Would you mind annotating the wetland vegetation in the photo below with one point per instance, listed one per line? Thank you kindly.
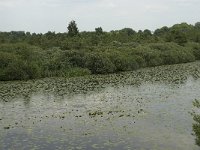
(121, 89)
(196, 118)
(25, 55)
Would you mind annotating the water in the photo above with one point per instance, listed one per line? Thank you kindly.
(146, 109)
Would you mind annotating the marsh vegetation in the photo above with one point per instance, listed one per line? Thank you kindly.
(26, 56)
(100, 90)
(196, 118)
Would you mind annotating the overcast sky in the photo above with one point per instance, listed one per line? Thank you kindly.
(54, 15)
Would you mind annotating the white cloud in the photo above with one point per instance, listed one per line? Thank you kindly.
(156, 8)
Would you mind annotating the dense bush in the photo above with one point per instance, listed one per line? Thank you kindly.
(74, 72)
(151, 56)
(124, 62)
(26, 56)
(99, 63)
(13, 67)
(195, 47)
(165, 53)
(20, 70)
(22, 62)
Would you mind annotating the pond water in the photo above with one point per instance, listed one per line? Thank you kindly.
(142, 110)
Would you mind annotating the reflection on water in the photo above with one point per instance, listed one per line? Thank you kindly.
(137, 110)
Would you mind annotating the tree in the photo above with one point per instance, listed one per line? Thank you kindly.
(127, 31)
(147, 32)
(99, 30)
(72, 28)
(179, 37)
(197, 25)
(161, 31)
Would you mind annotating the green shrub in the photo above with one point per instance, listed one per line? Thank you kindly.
(140, 61)
(170, 57)
(162, 47)
(151, 56)
(182, 55)
(23, 61)
(120, 61)
(16, 70)
(99, 63)
(195, 49)
(125, 63)
(6, 58)
(74, 72)
(75, 58)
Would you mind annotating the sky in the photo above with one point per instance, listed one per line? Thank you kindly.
(41, 16)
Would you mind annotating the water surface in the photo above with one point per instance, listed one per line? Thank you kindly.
(145, 109)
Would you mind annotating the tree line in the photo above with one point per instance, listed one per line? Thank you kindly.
(25, 55)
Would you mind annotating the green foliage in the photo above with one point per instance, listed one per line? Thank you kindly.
(196, 129)
(28, 56)
(197, 25)
(162, 31)
(151, 56)
(20, 70)
(72, 28)
(196, 103)
(74, 58)
(99, 63)
(99, 30)
(196, 125)
(179, 37)
(124, 62)
(128, 31)
(18, 62)
(147, 32)
(74, 72)
(195, 47)
(6, 58)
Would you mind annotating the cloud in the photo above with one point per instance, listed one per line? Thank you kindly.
(41, 16)
(7, 3)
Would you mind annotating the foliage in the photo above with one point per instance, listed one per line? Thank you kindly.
(74, 72)
(196, 125)
(99, 63)
(72, 28)
(195, 47)
(25, 55)
(99, 30)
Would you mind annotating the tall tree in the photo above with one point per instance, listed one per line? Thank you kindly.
(72, 28)
(99, 30)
